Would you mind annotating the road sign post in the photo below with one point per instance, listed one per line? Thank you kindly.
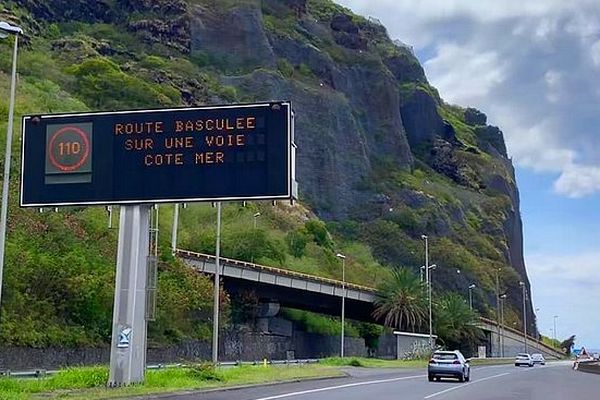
(128, 346)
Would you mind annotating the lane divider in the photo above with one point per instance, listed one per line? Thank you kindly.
(348, 385)
(465, 385)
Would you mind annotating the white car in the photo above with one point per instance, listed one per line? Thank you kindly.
(538, 359)
(523, 359)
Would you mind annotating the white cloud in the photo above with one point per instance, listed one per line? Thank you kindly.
(578, 181)
(479, 74)
(595, 53)
(564, 286)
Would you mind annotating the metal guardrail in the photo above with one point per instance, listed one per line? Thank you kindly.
(42, 373)
(274, 270)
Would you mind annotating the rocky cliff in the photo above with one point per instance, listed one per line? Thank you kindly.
(380, 155)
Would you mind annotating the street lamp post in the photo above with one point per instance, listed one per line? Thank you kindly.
(502, 298)
(428, 282)
(343, 258)
(555, 334)
(522, 284)
(175, 228)
(471, 287)
(5, 29)
(498, 303)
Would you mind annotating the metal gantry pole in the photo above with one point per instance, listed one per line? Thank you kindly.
(7, 161)
(216, 293)
(175, 227)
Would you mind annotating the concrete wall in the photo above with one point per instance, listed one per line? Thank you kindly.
(236, 344)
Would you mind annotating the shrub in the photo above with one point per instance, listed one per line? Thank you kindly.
(285, 67)
(296, 241)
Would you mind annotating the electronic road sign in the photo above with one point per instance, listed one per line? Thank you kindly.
(220, 153)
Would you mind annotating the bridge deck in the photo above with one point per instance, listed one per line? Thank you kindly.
(276, 276)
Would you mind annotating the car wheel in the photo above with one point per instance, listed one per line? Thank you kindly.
(461, 378)
(430, 378)
(516, 365)
(530, 365)
(468, 377)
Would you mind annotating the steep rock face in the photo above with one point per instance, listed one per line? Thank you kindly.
(379, 152)
(235, 36)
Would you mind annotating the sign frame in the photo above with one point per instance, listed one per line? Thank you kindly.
(291, 184)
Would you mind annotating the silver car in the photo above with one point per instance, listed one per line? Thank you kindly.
(523, 359)
(448, 364)
(538, 359)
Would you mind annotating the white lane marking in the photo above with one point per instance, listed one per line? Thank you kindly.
(325, 389)
(465, 385)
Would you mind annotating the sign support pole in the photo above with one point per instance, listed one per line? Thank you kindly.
(128, 345)
(216, 288)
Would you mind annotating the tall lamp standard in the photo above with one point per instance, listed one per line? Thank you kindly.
(343, 258)
(471, 287)
(502, 299)
(555, 334)
(428, 283)
(5, 30)
(522, 284)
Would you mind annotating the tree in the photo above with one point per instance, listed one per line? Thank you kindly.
(567, 344)
(456, 323)
(400, 302)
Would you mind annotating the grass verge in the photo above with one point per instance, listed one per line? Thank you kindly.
(373, 362)
(89, 382)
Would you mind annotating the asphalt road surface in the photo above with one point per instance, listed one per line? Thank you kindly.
(556, 381)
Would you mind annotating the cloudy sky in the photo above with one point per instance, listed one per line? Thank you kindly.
(534, 68)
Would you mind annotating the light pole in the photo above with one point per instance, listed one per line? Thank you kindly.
(471, 287)
(498, 303)
(502, 298)
(175, 227)
(422, 272)
(343, 258)
(522, 284)
(5, 29)
(428, 283)
(256, 218)
(555, 334)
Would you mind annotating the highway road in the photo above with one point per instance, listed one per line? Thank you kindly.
(555, 381)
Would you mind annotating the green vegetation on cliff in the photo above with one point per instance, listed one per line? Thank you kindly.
(381, 160)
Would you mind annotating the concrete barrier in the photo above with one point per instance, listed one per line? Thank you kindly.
(592, 367)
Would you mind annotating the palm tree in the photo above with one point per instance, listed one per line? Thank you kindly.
(400, 301)
(456, 323)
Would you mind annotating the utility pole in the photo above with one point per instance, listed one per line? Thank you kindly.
(502, 298)
(175, 228)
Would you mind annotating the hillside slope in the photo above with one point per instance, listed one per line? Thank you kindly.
(381, 157)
